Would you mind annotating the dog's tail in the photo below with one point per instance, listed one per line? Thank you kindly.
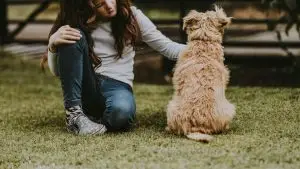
(199, 137)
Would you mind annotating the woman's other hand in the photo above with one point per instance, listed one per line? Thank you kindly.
(64, 35)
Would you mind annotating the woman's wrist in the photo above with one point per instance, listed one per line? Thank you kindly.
(52, 48)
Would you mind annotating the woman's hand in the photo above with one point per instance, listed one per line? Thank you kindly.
(64, 35)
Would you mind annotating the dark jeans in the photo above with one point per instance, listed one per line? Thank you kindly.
(103, 99)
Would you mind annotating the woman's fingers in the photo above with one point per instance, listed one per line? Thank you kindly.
(72, 30)
(72, 34)
(67, 28)
(63, 41)
(70, 37)
(65, 35)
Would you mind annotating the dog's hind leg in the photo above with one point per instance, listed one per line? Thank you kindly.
(173, 109)
(224, 109)
(199, 137)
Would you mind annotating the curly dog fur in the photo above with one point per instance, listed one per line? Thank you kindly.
(199, 106)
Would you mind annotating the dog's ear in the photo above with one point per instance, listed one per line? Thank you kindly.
(189, 19)
(222, 17)
(225, 21)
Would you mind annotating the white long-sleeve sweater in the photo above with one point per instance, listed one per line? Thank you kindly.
(122, 69)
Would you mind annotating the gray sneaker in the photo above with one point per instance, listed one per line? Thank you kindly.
(77, 122)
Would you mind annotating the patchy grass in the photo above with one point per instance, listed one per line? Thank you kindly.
(264, 134)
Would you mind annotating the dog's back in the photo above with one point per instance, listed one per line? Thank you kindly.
(199, 106)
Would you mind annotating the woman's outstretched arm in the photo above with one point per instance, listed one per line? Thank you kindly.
(154, 38)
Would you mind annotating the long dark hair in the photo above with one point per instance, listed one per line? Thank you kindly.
(76, 13)
(125, 29)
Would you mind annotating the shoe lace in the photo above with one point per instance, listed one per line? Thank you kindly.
(73, 113)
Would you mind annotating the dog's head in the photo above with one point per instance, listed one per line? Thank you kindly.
(206, 26)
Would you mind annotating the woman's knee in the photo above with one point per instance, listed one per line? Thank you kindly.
(121, 115)
(71, 56)
(76, 49)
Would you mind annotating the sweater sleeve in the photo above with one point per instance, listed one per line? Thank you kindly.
(52, 63)
(154, 38)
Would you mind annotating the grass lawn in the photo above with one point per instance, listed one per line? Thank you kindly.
(264, 135)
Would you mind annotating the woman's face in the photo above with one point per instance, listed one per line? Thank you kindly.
(106, 9)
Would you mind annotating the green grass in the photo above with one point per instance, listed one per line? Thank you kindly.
(264, 134)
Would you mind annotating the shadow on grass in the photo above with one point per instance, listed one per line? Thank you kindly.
(53, 124)
(155, 120)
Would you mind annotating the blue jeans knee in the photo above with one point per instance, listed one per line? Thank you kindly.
(120, 114)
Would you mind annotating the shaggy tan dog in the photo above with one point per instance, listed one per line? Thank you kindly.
(199, 107)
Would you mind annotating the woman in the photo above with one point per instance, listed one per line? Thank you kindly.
(97, 85)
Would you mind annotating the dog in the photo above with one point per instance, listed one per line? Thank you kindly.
(199, 107)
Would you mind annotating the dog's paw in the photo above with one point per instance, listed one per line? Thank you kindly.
(167, 129)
